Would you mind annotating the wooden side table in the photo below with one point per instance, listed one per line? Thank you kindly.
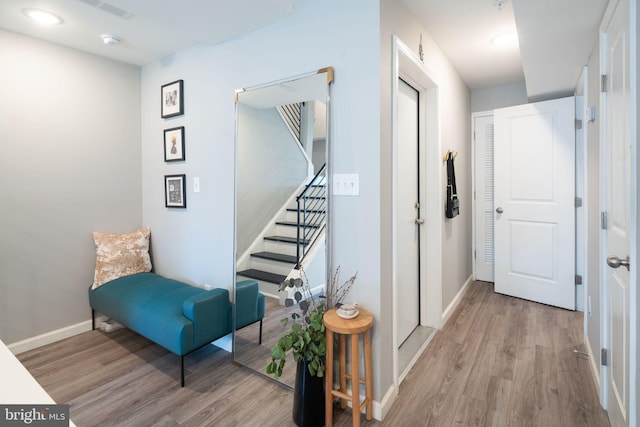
(354, 327)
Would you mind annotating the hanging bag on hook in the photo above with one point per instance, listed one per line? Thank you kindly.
(453, 204)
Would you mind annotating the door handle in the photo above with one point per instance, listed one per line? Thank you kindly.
(615, 262)
(499, 210)
(419, 221)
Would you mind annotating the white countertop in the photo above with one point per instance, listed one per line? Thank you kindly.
(18, 386)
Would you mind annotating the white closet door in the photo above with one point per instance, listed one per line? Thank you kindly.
(407, 208)
(484, 241)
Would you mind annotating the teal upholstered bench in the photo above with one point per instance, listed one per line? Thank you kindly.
(173, 314)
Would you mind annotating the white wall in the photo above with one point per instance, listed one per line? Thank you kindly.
(97, 153)
(70, 126)
(498, 97)
(455, 116)
(196, 244)
(271, 168)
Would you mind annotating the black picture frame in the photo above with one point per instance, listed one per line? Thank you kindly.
(172, 99)
(175, 191)
(174, 144)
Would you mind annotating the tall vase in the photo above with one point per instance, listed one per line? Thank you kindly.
(308, 398)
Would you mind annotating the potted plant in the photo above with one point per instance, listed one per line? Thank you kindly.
(306, 340)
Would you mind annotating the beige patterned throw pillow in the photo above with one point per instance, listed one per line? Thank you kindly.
(119, 255)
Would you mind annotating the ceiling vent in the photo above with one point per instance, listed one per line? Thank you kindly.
(109, 8)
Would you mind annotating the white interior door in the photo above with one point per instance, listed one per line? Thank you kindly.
(534, 169)
(408, 210)
(484, 245)
(617, 202)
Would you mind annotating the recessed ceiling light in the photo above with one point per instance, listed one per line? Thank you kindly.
(505, 39)
(110, 39)
(43, 17)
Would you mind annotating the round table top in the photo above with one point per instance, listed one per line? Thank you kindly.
(360, 323)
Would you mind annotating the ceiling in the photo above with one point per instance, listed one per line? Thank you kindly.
(555, 36)
(555, 39)
(149, 30)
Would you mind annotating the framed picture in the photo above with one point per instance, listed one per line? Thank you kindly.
(174, 144)
(172, 99)
(175, 194)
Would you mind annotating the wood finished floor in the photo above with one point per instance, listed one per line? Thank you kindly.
(499, 361)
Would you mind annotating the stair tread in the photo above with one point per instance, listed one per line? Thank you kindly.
(308, 210)
(295, 224)
(285, 239)
(275, 257)
(265, 276)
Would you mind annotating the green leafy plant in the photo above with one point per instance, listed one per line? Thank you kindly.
(306, 337)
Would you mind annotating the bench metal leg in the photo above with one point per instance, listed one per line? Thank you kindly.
(260, 339)
(93, 319)
(181, 371)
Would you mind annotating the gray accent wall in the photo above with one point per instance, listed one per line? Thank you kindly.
(196, 244)
(455, 111)
(70, 165)
(498, 96)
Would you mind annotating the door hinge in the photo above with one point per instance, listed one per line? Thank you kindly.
(578, 124)
(603, 220)
(578, 202)
(603, 356)
(578, 279)
(603, 83)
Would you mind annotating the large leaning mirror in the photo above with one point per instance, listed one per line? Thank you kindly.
(281, 224)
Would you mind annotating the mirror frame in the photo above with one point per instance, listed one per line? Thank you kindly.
(328, 153)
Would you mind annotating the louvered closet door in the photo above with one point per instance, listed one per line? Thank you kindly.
(483, 140)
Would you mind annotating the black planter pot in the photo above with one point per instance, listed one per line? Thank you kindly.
(308, 398)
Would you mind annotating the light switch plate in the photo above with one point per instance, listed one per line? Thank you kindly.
(346, 184)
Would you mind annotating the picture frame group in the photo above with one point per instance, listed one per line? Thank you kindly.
(172, 105)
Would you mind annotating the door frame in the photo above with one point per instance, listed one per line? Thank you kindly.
(634, 243)
(407, 65)
(581, 179)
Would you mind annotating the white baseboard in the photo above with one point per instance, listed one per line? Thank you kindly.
(50, 337)
(446, 314)
(381, 409)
